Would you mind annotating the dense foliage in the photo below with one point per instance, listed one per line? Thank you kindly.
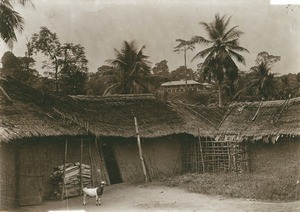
(224, 47)
(129, 72)
(65, 68)
(66, 64)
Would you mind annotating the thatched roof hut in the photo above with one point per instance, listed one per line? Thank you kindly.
(266, 120)
(27, 112)
(39, 131)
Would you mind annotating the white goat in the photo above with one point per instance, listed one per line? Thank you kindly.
(94, 192)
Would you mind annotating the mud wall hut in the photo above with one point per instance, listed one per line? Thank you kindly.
(271, 129)
(41, 131)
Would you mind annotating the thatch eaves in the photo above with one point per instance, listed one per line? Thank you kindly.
(27, 112)
(262, 120)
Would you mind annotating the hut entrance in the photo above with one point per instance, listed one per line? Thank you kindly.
(31, 189)
(111, 164)
(215, 156)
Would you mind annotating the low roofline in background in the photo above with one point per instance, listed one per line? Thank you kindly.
(112, 97)
(180, 82)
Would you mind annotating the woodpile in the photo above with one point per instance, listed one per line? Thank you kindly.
(72, 185)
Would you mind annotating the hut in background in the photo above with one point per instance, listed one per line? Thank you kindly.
(39, 131)
(271, 130)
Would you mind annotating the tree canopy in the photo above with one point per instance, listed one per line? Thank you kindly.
(65, 63)
(223, 50)
(161, 69)
(130, 71)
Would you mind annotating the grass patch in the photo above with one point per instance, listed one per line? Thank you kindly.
(252, 186)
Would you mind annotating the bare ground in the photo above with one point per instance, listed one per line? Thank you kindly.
(151, 197)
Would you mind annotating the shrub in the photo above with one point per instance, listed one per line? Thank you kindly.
(253, 186)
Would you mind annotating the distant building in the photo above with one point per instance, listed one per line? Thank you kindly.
(179, 86)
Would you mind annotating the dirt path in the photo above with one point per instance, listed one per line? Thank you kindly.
(127, 197)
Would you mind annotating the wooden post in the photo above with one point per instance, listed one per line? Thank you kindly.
(64, 173)
(140, 149)
(201, 152)
(247, 158)
(103, 167)
(260, 104)
(233, 158)
(228, 154)
(17, 158)
(213, 156)
(80, 170)
(90, 156)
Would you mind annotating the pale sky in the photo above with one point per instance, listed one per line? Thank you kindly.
(102, 25)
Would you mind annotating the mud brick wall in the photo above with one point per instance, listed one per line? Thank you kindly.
(8, 187)
(281, 158)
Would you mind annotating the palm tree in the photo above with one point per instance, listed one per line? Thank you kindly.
(262, 82)
(184, 46)
(10, 20)
(130, 71)
(224, 47)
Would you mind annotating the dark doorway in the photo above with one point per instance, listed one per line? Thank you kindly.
(111, 164)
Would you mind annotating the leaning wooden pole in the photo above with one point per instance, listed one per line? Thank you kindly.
(64, 173)
(260, 104)
(80, 170)
(201, 152)
(140, 149)
(90, 156)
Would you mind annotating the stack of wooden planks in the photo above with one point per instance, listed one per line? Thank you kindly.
(72, 183)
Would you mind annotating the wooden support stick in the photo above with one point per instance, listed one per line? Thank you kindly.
(17, 158)
(91, 163)
(64, 173)
(81, 152)
(233, 158)
(140, 149)
(247, 158)
(103, 168)
(228, 154)
(201, 153)
(260, 104)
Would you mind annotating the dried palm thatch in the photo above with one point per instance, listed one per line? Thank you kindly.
(30, 112)
(263, 120)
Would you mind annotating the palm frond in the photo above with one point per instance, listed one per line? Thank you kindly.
(237, 56)
(218, 25)
(111, 88)
(129, 65)
(237, 48)
(203, 53)
(9, 21)
(209, 29)
(226, 35)
(226, 23)
(234, 34)
(184, 45)
(200, 40)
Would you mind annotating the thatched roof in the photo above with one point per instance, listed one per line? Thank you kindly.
(30, 113)
(263, 120)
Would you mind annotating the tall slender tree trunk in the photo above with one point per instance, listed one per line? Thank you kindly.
(56, 76)
(220, 95)
(186, 88)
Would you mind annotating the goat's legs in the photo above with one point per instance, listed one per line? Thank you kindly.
(84, 198)
(98, 199)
